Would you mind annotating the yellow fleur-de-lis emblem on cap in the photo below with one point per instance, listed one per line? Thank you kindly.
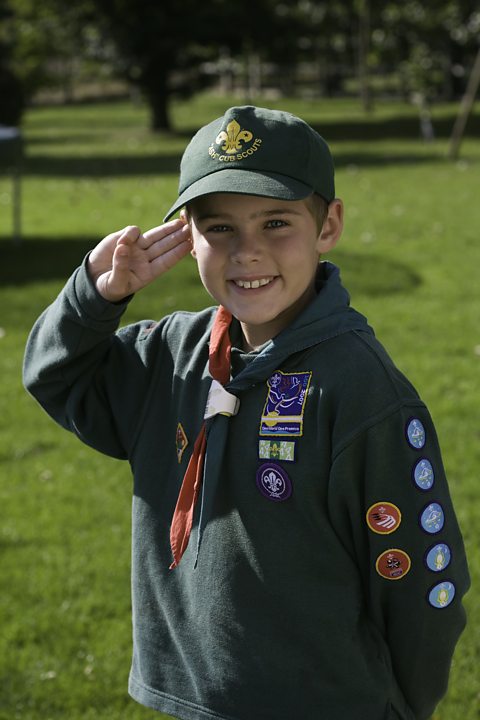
(233, 137)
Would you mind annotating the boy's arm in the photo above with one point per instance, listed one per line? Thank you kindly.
(86, 375)
(391, 506)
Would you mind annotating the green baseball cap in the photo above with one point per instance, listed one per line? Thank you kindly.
(256, 151)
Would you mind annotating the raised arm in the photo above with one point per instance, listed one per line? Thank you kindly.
(81, 369)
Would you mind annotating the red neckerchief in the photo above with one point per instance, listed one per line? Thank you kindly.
(219, 368)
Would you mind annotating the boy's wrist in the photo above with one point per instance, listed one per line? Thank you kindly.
(91, 301)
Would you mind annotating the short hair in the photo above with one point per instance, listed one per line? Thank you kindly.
(318, 207)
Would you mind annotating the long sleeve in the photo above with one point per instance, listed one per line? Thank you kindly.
(89, 377)
(392, 508)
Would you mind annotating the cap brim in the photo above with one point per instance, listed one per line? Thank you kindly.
(245, 182)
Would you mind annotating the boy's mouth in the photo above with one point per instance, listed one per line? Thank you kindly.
(253, 284)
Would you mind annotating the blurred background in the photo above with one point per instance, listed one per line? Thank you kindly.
(98, 99)
(154, 52)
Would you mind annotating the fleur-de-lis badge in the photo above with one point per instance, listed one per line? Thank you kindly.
(233, 137)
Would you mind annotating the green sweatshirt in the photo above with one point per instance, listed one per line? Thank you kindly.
(330, 573)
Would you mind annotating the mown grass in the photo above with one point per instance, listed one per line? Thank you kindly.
(410, 257)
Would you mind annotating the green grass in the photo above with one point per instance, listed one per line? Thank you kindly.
(410, 256)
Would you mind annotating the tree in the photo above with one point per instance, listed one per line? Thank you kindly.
(11, 90)
(161, 46)
(50, 41)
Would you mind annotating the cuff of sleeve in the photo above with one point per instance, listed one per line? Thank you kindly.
(89, 301)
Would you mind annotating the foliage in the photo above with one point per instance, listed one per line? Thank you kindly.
(169, 49)
(53, 41)
(433, 45)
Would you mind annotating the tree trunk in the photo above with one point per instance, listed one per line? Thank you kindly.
(465, 109)
(363, 51)
(154, 84)
(159, 112)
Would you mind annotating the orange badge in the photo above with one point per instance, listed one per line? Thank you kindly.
(181, 442)
(383, 518)
(393, 564)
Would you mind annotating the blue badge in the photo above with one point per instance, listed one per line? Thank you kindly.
(416, 434)
(441, 595)
(438, 557)
(273, 482)
(432, 518)
(423, 474)
(285, 404)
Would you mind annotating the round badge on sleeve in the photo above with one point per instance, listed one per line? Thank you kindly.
(423, 474)
(416, 434)
(432, 518)
(273, 482)
(383, 518)
(441, 595)
(393, 564)
(438, 557)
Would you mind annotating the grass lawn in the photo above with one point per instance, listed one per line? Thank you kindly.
(410, 257)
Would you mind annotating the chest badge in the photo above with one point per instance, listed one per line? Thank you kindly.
(283, 411)
(276, 450)
(273, 482)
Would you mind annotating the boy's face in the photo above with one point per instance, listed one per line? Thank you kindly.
(258, 258)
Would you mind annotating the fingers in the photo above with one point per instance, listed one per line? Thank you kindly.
(128, 236)
(170, 256)
(157, 233)
(156, 241)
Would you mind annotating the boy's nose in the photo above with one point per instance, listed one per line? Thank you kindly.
(246, 248)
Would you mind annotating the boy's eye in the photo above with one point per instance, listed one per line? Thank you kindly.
(219, 228)
(276, 223)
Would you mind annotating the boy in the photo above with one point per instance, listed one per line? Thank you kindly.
(295, 550)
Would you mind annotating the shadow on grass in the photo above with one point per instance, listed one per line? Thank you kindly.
(100, 166)
(40, 259)
(147, 165)
(404, 127)
(370, 130)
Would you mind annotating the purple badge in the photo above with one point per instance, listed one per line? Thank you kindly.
(273, 482)
(285, 404)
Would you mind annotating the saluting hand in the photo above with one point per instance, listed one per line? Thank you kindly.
(128, 260)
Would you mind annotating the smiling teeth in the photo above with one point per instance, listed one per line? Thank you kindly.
(253, 284)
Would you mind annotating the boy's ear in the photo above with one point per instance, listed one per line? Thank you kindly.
(186, 219)
(332, 227)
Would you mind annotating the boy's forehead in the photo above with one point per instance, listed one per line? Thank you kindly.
(251, 206)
